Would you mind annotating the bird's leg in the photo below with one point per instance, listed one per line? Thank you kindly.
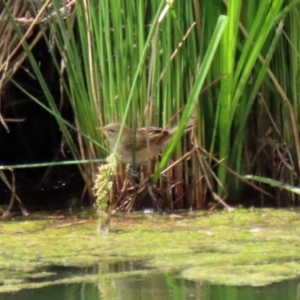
(135, 174)
(146, 189)
(156, 196)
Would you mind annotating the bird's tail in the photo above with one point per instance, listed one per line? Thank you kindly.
(190, 125)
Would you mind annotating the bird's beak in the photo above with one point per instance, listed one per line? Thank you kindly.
(99, 128)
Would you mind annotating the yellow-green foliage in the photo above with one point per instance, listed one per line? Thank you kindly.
(242, 247)
(102, 189)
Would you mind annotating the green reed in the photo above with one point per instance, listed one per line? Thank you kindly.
(148, 63)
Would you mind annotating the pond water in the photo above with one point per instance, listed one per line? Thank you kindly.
(152, 287)
(243, 254)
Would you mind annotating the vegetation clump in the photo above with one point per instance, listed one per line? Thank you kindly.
(103, 190)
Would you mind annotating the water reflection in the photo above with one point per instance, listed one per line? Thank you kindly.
(157, 287)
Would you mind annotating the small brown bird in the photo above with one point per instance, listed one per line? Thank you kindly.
(136, 147)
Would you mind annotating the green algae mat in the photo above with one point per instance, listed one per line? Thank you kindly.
(242, 247)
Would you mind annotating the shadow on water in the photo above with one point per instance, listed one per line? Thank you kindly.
(147, 287)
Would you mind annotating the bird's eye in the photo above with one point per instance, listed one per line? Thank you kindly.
(111, 130)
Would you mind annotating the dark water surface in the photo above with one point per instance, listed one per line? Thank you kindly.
(157, 287)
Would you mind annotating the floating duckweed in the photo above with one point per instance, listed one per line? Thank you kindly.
(247, 247)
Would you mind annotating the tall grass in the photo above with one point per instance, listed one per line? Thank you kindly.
(120, 65)
(148, 62)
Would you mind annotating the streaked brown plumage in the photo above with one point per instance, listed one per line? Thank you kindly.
(138, 146)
